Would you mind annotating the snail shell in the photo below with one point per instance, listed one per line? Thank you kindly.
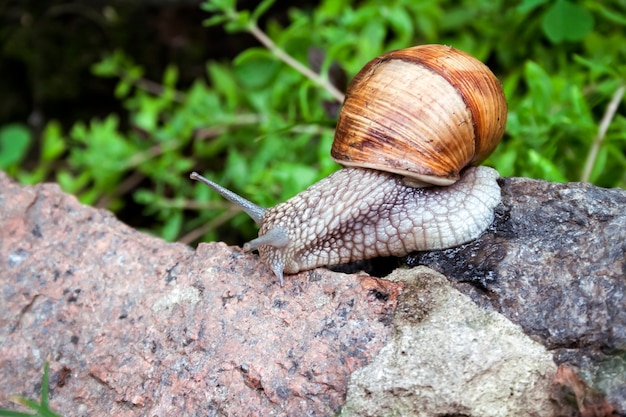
(424, 112)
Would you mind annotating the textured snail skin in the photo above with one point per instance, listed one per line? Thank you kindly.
(378, 216)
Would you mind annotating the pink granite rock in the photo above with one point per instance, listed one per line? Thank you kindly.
(136, 326)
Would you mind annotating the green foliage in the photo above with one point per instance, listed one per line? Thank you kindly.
(566, 21)
(41, 408)
(260, 125)
(14, 142)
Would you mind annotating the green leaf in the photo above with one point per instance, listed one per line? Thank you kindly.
(33, 405)
(170, 77)
(147, 114)
(505, 162)
(53, 142)
(294, 177)
(223, 81)
(528, 5)
(261, 8)
(548, 170)
(566, 21)
(401, 22)
(14, 143)
(371, 38)
(122, 89)
(172, 227)
(107, 67)
(596, 67)
(540, 86)
(238, 22)
(215, 20)
(71, 184)
(236, 170)
(218, 5)
(255, 68)
(42, 409)
(599, 164)
(44, 385)
(10, 413)
(611, 15)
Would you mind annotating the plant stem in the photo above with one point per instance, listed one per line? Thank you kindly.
(609, 113)
(289, 60)
(157, 89)
(197, 233)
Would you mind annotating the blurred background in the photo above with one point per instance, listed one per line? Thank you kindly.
(117, 101)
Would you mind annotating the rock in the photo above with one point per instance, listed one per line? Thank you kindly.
(577, 398)
(135, 326)
(554, 262)
(450, 357)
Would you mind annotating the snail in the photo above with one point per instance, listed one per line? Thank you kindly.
(412, 125)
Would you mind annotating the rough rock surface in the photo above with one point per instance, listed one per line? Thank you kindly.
(463, 360)
(554, 262)
(136, 326)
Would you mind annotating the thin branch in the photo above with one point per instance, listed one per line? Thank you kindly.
(198, 232)
(609, 114)
(289, 60)
(157, 89)
(140, 157)
(150, 86)
(125, 186)
(217, 129)
(178, 203)
(202, 133)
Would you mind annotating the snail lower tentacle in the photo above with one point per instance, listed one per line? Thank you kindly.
(357, 214)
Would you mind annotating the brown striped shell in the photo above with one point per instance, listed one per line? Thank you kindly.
(424, 112)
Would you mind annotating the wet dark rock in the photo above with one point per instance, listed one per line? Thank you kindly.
(554, 262)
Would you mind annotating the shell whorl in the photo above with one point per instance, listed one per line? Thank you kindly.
(378, 216)
(424, 112)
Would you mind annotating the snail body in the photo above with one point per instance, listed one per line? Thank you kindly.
(407, 184)
(381, 216)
